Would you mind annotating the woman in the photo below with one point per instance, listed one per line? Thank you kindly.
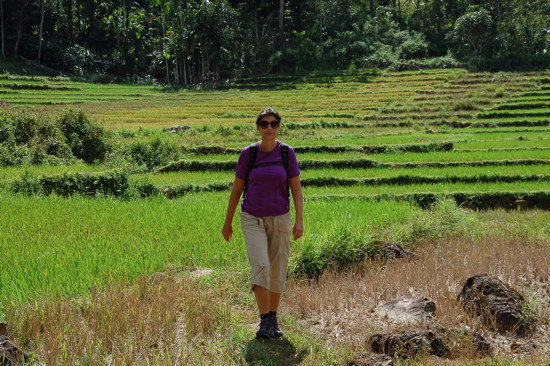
(265, 215)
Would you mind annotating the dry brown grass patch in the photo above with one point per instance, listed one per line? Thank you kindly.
(164, 321)
(340, 306)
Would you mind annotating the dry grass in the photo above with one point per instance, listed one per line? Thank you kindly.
(171, 319)
(340, 306)
(162, 321)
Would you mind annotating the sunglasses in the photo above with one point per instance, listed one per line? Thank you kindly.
(274, 124)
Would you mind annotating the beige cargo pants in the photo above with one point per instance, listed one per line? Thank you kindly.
(268, 245)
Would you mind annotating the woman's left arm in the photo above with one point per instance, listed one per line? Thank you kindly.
(298, 198)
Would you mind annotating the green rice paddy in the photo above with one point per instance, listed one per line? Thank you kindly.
(62, 246)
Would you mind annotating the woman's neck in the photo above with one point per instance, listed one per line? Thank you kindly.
(268, 145)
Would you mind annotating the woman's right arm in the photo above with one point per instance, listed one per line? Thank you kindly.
(236, 192)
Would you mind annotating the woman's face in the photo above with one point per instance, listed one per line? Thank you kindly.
(269, 127)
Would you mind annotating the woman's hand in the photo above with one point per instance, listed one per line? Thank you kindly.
(298, 230)
(227, 232)
(236, 193)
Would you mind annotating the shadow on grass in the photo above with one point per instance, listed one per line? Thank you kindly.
(273, 352)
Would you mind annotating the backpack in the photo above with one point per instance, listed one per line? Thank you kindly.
(284, 162)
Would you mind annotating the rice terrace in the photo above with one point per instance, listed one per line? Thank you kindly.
(111, 251)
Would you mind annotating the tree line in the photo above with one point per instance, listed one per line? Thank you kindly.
(184, 42)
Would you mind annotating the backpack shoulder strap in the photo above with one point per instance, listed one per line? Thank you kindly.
(284, 157)
(253, 151)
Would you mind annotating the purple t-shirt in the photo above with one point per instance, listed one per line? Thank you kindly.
(266, 193)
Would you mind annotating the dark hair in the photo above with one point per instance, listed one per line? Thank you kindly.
(267, 111)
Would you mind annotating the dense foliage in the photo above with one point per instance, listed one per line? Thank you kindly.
(194, 41)
(28, 139)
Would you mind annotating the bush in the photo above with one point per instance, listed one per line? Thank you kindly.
(443, 217)
(414, 46)
(79, 60)
(27, 139)
(443, 62)
(338, 251)
(152, 154)
(110, 183)
(87, 140)
(6, 129)
(143, 188)
(308, 263)
(15, 155)
(382, 56)
(51, 152)
(49, 145)
(24, 127)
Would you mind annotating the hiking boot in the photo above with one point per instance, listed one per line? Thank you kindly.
(265, 329)
(275, 331)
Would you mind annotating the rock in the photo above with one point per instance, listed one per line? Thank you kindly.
(498, 305)
(447, 146)
(409, 344)
(371, 359)
(200, 272)
(481, 345)
(157, 277)
(392, 250)
(177, 129)
(10, 354)
(435, 341)
(395, 250)
(405, 309)
(528, 347)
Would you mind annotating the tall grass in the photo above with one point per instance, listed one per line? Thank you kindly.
(354, 237)
(343, 231)
(55, 245)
